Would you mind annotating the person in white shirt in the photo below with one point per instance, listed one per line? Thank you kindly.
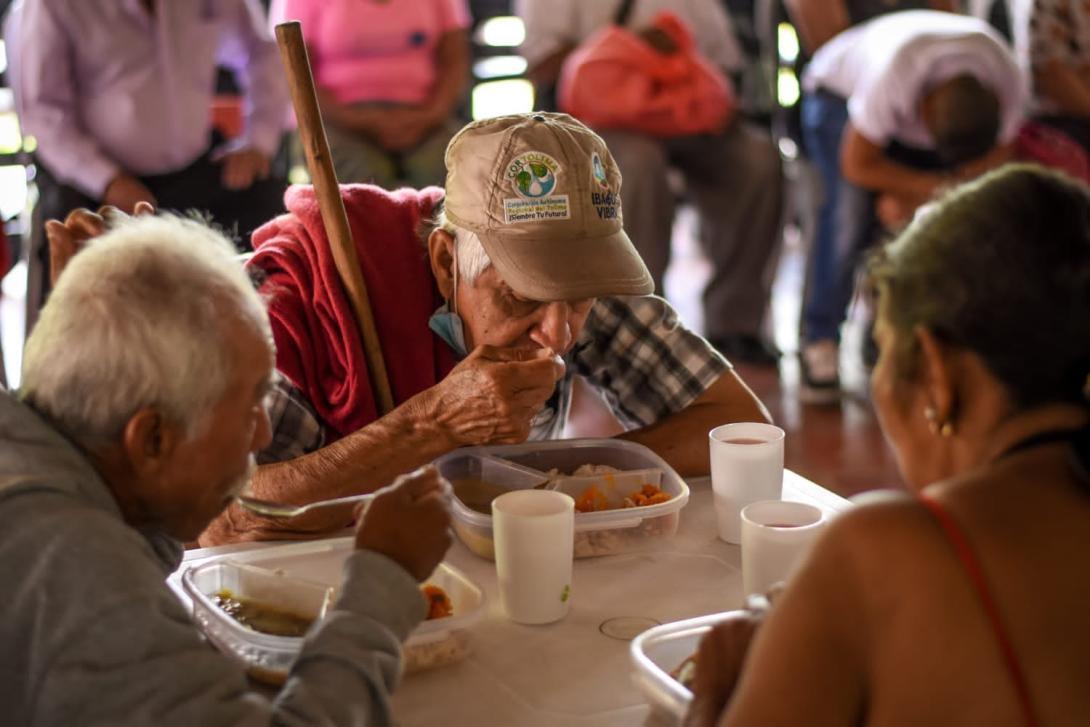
(895, 108)
(733, 178)
(818, 22)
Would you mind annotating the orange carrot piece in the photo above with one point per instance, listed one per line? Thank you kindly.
(439, 603)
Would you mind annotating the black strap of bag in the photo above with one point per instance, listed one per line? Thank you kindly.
(623, 12)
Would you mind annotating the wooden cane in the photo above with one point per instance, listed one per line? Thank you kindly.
(293, 53)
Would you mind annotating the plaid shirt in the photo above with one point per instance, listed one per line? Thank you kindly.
(634, 351)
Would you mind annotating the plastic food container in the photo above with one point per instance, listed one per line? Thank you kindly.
(297, 577)
(522, 466)
(268, 657)
(659, 651)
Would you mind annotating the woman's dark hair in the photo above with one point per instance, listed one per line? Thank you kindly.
(999, 266)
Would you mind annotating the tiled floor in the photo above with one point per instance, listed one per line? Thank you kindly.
(839, 447)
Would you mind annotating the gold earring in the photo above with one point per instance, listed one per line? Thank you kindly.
(945, 429)
(932, 418)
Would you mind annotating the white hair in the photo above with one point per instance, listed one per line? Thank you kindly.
(472, 257)
(140, 318)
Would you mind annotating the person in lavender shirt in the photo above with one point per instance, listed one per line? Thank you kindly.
(118, 94)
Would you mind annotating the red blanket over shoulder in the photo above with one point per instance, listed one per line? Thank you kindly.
(318, 344)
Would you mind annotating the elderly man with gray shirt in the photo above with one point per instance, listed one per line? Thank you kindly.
(143, 400)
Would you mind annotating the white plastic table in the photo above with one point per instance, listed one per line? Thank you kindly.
(570, 672)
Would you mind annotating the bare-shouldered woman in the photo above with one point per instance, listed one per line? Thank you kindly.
(965, 603)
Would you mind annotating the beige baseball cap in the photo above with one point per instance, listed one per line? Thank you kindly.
(542, 193)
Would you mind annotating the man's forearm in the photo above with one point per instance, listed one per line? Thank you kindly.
(893, 178)
(682, 439)
(361, 462)
(865, 164)
(996, 157)
(255, 61)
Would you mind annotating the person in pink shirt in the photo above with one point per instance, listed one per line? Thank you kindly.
(390, 75)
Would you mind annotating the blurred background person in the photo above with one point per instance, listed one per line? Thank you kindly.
(818, 21)
(1053, 37)
(955, 604)
(731, 173)
(119, 96)
(895, 107)
(391, 76)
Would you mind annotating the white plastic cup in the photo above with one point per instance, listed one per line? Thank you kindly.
(534, 535)
(776, 534)
(747, 466)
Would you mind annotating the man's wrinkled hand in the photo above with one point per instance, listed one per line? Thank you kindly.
(410, 524)
(493, 395)
(719, 663)
(69, 237)
(241, 166)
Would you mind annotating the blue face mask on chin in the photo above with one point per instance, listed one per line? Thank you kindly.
(448, 325)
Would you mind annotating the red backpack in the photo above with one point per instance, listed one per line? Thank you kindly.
(1051, 147)
(617, 80)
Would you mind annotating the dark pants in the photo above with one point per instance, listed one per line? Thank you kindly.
(735, 182)
(196, 188)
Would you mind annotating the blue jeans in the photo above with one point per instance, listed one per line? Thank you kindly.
(845, 220)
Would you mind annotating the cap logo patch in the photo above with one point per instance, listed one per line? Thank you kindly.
(533, 174)
(598, 171)
(533, 177)
(605, 200)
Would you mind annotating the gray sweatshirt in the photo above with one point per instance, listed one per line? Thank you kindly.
(90, 634)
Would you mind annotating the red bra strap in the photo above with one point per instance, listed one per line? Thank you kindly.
(972, 566)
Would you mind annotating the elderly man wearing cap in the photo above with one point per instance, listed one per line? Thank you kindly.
(527, 280)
